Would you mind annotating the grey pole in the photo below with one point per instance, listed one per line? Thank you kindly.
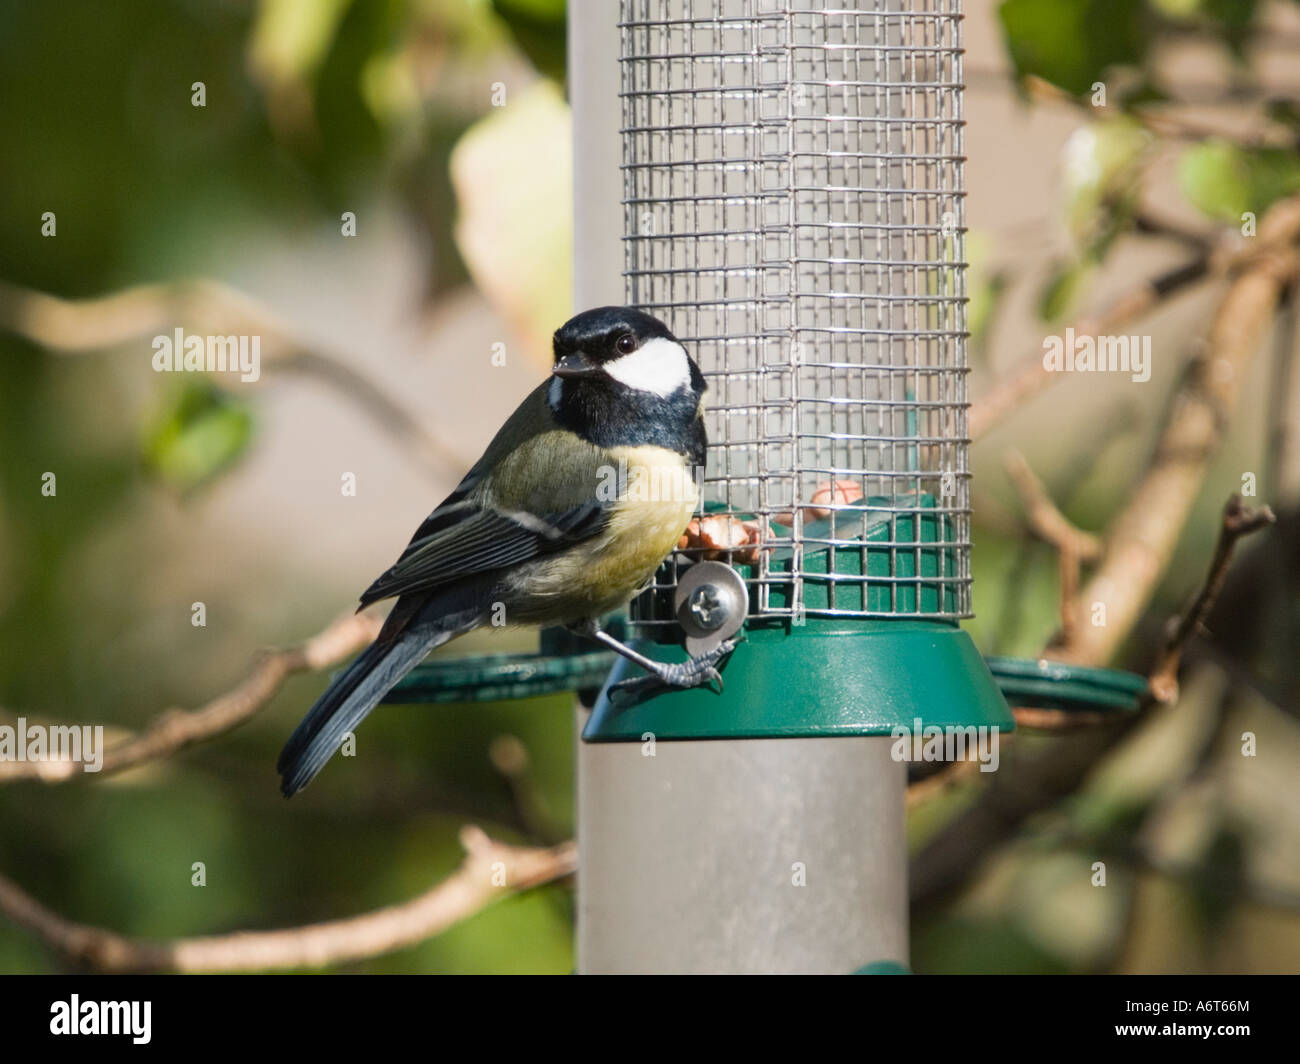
(741, 856)
(733, 856)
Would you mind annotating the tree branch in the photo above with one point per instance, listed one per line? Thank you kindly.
(1073, 546)
(1044, 519)
(176, 729)
(1138, 546)
(1238, 520)
(1029, 377)
(1142, 538)
(81, 326)
(1276, 233)
(490, 871)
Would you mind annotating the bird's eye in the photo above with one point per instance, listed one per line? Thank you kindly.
(625, 344)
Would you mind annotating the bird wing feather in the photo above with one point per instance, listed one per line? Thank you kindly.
(530, 494)
(482, 541)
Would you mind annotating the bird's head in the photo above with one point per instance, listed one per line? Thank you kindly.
(623, 348)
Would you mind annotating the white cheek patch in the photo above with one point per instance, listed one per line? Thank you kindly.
(657, 366)
(554, 394)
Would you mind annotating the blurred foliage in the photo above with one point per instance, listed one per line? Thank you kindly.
(988, 286)
(1064, 287)
(1103, 162)
(1229, 20)
(533, 284)
(1181, 890)
(1224, 180)
(955, 946)
(539, 27)
(200, 436)
(1101, 181)
(311, 109)
(318, 108)
(1074, 43)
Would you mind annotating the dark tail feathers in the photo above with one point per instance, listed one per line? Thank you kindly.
(351, 697)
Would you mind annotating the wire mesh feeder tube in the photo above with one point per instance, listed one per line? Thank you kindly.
(793, 210)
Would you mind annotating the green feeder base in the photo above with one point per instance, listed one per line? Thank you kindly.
(884, 968)
(790, 681)
(564, 662)
(1056, 685)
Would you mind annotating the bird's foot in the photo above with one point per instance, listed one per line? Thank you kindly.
(698, 672)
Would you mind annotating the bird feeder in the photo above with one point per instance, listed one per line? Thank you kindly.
(792, 209)
(782, 184)
(792, 193)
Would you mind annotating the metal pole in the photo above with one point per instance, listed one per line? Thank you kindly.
(767, 855)
(741, 856)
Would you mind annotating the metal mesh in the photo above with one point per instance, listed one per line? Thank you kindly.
(793, 210)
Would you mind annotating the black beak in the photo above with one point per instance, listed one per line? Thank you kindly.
(575, 365)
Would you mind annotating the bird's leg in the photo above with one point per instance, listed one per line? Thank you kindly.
(694, 673)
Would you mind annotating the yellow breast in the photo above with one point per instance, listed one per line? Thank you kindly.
(652, 495)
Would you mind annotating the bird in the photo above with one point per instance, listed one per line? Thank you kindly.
(575, 503)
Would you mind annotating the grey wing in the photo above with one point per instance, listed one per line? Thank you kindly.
(461, 539)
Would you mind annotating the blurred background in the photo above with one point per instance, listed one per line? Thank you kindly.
(392, 354)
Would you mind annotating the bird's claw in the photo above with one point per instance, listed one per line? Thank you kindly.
(698, 672)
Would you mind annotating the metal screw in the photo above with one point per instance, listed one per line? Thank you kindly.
(709, 608)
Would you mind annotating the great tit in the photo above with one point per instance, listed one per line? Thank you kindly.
(578, 498)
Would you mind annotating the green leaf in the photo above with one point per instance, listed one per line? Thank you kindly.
(1224, 180)
(988, 296)
(956, 944)
(1233, 18)
(539, 28)
(1285, 112)
(1230, 19)
(203, 433)
(1101, 167)
(1274, 174)
(1072, 43)
(988, 285)
(1061, 292)
(288, 40)
(1218, 879)
(1213, 177)
(516, 236)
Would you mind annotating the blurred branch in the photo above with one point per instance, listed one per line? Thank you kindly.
(1044, 519)
(177, 729)
(1137, 548)
(1253, 620)
(1041, 781)
(1176, 125)
(1057, 720)
(1073, 546)
(1162, 686)
(1282, 474)
(1141, 539)
(1277, 232)
(83, 326)
(1216, 880)
(1171, 120)
(509, 756)
(1120, 420)
(1149, 224)
(490, 871)
(947, 775)
(1238, 520)
(1014, 794)
(1029, 377)
(76, 326)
